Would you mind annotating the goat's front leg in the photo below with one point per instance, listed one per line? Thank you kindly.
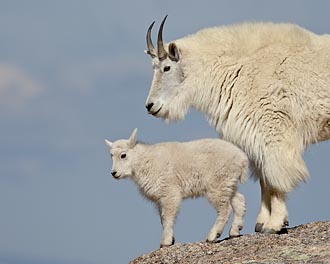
(168, 208)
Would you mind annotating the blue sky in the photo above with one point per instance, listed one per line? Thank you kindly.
(73, 73)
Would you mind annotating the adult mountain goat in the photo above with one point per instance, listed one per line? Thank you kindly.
(263, 86)
(168, 172)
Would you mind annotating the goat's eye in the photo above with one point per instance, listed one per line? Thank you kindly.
(167, 68)
(123, 156)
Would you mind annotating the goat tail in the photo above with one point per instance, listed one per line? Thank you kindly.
(244, 172)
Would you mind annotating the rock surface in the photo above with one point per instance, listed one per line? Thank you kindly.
(309, 243)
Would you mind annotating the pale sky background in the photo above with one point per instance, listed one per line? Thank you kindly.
(73, 73)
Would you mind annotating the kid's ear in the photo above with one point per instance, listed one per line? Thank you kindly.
(107, 142)
(173, 52)
(132, 139)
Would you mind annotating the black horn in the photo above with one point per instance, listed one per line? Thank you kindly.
(162, 54)
(151, 49)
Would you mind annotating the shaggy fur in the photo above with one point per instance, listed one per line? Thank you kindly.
(265, 87)
(167, 173)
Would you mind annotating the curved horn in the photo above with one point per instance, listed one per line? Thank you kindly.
(151, 49)
(162, 54)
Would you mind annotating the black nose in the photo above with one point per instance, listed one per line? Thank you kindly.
(149, 106)
(113, 173)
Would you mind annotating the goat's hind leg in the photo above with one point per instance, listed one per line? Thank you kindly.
(239, 208)
(223, 212)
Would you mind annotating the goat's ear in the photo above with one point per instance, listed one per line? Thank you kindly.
(132, 138)
(173, 52)
(108, 143)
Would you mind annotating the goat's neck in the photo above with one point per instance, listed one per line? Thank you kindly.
(213, 95)
(142, 166)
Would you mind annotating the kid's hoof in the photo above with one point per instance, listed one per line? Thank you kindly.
(211, 241)
(258, 227)
(234, 235)
(235, 232)
(168, 245)
(164, 246)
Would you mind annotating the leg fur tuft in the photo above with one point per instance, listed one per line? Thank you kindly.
(284, 170)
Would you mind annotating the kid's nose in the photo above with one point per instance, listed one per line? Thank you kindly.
(149, 106)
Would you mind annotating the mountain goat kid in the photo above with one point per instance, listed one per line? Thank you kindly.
(167, 173)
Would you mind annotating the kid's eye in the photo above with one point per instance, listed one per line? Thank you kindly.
(167, 68)
(123, 156)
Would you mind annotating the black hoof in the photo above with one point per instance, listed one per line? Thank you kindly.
(211, 242)
(272, 231)
(164, 246)
(173, 241)
(258, 227)
(233, 236)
